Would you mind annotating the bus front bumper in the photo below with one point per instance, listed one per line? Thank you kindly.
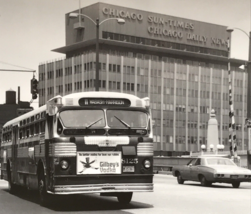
(102, 188)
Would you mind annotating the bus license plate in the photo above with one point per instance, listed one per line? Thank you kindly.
(234, 176)
(128, 168)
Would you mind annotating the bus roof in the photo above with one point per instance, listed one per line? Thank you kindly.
(73, 100)
(16, 120)
(103, 94)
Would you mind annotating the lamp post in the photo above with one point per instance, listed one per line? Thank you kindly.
(249, 94)
(232, 134)
(97, 24)
(220, 148)
(211, 147)
(203, 148)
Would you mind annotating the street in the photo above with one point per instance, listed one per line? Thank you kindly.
(168, 197)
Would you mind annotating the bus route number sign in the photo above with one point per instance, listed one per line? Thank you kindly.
(104, 102)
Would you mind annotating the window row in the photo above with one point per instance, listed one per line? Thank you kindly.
(163, 44)
(32, 129)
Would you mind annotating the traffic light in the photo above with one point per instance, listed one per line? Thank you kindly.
(235, 148)
(34, 88)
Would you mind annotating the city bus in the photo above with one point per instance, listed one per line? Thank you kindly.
(87, 142)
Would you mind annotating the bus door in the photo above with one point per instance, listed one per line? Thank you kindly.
(14, 153)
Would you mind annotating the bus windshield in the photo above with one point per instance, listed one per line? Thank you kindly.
(126, 119)
(83, 118)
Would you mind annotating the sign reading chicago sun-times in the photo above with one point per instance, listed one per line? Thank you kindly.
(164, 27)
(98, 162)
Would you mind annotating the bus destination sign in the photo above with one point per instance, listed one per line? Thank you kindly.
(104, 102)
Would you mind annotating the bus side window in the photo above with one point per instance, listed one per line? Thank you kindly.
(32, 129)
(27, 131)
(42, 126)
(20, 133)
(36, 131)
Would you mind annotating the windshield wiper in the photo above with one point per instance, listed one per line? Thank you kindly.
(87, 127)
(123, 122)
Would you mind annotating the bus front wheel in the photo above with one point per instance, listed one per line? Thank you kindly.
(43, 195)
(124, 197)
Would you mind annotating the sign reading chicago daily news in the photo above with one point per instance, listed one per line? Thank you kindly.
(99, 163)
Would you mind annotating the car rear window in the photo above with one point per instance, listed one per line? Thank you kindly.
(219, 161)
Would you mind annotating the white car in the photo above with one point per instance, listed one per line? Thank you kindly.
(208, 170)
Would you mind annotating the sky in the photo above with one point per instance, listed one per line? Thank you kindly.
(30, 29)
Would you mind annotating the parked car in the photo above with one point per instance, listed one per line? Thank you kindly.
(208, 170)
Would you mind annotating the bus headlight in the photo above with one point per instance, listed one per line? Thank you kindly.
(64, 164)
(147, 164)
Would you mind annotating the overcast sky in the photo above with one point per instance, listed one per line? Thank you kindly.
(30, 29)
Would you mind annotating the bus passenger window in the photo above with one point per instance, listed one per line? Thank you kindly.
(36, 131)
(42, 126)
(20, 133)
(27, 131)
(32, 129)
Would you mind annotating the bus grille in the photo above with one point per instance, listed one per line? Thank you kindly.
(107, 141)
(63, 149)
(145, 149)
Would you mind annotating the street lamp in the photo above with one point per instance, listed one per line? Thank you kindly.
(220, 148)
(97, 23)
(232, 134)
(203, 148)
(249, 89)
(229, 29)
(211, 147)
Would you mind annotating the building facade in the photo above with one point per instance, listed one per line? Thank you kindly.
(12, 108)
(180, 64)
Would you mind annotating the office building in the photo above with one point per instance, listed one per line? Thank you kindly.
(181, 64)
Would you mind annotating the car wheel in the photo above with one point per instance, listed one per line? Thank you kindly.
(204, 182)
(124, 197)
(180, 180)
(236, 184)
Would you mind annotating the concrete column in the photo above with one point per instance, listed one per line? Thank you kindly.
(174, 106)
(187, 90)
(83, 71)
(149, 78)
(198, 111)
(161, 105)
(107, 72)
(63, 82)
(135, 76)
(122, 73)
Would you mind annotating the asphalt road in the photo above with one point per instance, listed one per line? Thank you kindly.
(168, 197)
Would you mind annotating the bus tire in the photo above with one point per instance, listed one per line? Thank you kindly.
(124, 197)
(11, 186)
(43, 195)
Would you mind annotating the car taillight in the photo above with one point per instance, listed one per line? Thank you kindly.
(219, 175)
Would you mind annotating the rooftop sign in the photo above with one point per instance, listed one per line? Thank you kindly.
(164, 27)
